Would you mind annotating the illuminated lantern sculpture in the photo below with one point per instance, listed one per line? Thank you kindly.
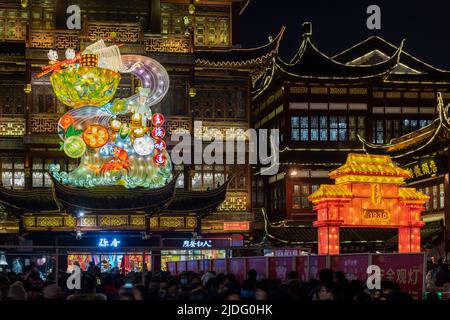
(85, 86)
(66, 121)
(74, 147)
(160, 159)
(143, 145)
(95, 136)
(158, 120)
(158, 133)
(115, 149)
(160, 145)
(368, 194)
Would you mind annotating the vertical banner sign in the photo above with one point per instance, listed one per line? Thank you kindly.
(192, 265)
(220, 266)
(237, 267)
(302, 267)
(259, 264)
(181, 267)
(407, 270)
(316, 263)
(279, 267)
(354, 265)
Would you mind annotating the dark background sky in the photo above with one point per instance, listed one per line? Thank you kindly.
(338, 24)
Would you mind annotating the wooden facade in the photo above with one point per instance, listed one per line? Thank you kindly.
(210, 81)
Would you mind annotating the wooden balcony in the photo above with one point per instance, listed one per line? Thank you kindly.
(127, 33)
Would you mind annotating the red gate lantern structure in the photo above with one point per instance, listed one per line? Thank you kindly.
(367, 194)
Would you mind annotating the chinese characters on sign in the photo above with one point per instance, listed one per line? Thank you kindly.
(105, 243)
(197, 244)
(405, 270)
(425, 168)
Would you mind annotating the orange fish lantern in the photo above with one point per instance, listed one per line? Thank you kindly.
(66, 121)
(95, 136)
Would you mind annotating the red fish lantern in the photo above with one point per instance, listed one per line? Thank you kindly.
(158, 120)
(158, 133)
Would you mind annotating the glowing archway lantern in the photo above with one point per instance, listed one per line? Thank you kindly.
(158, 133)
(95, 136)
(368, 194)
(158, 120)
(74, 147)
(143, 145)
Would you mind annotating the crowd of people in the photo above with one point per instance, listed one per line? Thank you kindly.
(161, 285)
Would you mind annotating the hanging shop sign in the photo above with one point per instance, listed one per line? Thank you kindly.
(108, 243)
(198, 243)
(426, 168)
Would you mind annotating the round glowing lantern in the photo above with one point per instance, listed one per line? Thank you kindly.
(95, 136)
(160, 159)
(138, 132)
(158, 120)
(158, 133)
(85, 86)
(115, 125)
(160, 145)
(66, 120)
(143, 145)
(74, 147)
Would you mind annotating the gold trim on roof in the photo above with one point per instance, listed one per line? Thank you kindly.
(411, 194)
(369, 166)
(331, 192)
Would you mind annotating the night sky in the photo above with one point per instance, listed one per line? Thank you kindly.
(338, 25)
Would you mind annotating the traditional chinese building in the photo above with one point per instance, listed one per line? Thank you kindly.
(321, 103)
(424, 153)
(210, 80)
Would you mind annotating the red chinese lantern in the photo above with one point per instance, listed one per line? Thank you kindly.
(160, 159)
(158, 133)
(160, 145)
(158, 120)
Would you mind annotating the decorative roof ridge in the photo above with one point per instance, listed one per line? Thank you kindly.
(242, 56)
(389, 64)
(411, 193)
(385, 167)
(275, 40)
(392, 46)
(440, 123)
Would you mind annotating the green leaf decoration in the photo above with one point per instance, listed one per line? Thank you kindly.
(61, 146)
(70, 131)
(77, 132)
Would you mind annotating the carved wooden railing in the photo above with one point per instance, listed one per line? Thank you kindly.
(58, 39)
(127, 33)
(44, 123)
(167, 43)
